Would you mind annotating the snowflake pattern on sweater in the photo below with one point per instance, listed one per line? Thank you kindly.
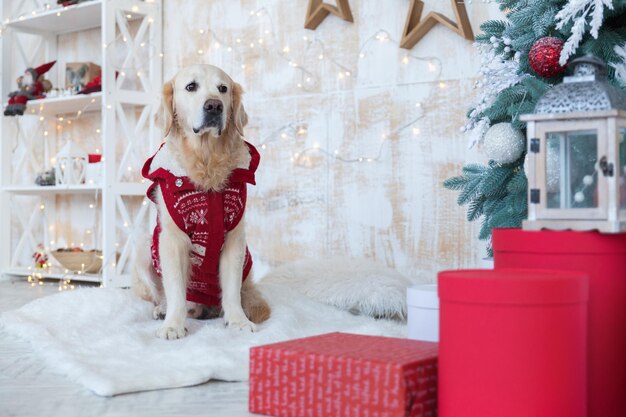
(204, 216)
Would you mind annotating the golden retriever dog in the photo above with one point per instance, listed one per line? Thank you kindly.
(198, 262)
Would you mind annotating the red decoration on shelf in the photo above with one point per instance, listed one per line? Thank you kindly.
(340, 375)
(92, 86)
(603, 258)
(544, 57)
(66, 3)
(94, 158)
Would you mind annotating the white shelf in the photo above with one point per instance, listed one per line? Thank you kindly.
(65, 104)
(59, 20)
(24, 272)
(52, 189)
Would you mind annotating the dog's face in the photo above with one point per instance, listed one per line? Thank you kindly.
(203, 99)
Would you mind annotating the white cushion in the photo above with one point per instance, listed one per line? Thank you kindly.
(360, 286)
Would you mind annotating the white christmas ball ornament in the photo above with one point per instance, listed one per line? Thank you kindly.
(587, 180)
(579, 197)
(503, 143)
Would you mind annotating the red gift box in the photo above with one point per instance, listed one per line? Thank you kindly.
(340, 374)
(513, 343)
(603, 258)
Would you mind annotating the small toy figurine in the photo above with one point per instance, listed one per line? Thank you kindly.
(41, 257)
(46, 178)
(32, 85)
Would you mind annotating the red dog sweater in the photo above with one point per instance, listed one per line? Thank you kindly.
(204, 216)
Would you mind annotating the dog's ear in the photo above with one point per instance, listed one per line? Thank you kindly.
(166, 113)
(239, 115)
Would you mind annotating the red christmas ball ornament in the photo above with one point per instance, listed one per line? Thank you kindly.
(544, 57)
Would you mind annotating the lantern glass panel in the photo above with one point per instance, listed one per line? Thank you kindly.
(571, 177)
(622, 168)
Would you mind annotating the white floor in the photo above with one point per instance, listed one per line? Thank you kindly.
(29, 388)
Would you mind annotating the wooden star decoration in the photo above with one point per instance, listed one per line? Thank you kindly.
(415, 28)
(318, 11)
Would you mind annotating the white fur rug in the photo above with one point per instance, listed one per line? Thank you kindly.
(105, 339)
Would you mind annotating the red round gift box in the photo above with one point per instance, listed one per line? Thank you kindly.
(512, 343)
(603, 258)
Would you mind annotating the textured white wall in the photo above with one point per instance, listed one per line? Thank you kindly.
(394, 209)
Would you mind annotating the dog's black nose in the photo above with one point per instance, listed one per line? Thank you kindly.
(213, 106)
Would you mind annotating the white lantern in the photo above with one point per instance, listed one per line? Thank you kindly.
(576, 161)
(71, 165)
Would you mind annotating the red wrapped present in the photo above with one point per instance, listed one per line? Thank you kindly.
(340, 374)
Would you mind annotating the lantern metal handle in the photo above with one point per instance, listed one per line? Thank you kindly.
(607, 168)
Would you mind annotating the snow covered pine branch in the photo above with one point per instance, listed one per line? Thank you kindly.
(577, 12)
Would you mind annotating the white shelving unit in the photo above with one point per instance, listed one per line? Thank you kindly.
(131, 61)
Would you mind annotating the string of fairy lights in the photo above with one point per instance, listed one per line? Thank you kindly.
(243, 47)
(309, 81)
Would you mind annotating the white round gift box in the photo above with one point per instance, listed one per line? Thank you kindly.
(423, 312)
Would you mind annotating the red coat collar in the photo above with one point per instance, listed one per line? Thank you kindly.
(247, 175)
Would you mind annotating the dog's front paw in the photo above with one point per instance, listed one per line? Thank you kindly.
(240, 323)
(171, 333)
